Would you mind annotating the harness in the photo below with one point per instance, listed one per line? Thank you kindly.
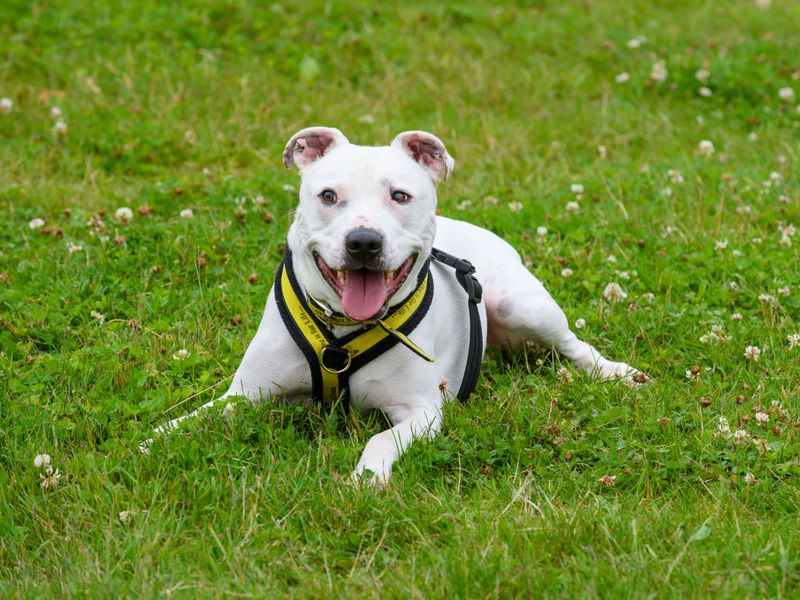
(333, 359)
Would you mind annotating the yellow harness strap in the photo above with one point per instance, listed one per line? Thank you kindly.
(336, 357)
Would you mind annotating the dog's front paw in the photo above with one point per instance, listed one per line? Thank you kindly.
(620, 370)
(377, 477)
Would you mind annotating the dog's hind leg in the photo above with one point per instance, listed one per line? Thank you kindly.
(520, 309)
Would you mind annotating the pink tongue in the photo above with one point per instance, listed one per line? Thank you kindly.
(364, 294)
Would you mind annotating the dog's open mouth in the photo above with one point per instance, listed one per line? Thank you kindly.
(365, 292)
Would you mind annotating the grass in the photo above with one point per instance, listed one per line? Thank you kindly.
(174, 106)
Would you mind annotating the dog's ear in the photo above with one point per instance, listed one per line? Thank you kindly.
(311, 143)
(428, 151)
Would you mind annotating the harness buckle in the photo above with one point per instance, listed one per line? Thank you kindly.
(335, 359)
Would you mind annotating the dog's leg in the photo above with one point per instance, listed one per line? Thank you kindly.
(520, 309)
(384, 448)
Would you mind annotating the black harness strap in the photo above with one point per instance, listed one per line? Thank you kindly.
(334, 356)
(465, 275)
(331, 363)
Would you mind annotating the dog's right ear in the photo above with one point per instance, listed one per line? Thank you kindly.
(311, 143)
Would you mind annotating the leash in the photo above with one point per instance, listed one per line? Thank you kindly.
(332, 360)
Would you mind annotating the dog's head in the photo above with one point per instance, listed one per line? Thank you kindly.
(366, 220)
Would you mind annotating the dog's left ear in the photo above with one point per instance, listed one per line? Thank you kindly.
(428, 151)
(311, 143)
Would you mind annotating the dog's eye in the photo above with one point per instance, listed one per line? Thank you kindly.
(328, 196)
(400, 196)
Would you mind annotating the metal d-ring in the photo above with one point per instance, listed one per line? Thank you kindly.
(334, 371)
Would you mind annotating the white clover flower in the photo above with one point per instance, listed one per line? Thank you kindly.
(125, 516)
(566, 272)
(745, 209)
(675, 176)
(740, 436)
(787, 232)
(702, 75)
(761, 444)
(622, 77)
(181, 354)
(691, 375)
(784, 291)
(786, 94)
(624, 275)
(635, 42)
(41, 460)
(602, 151)
(720, 244)
(749, 478)
(648, 296)
(608, 480)
(576, 188)
(778, 408)
(666, 192)
(287, 187)
(614, 293)
(515, 206)
(573, 206)
(736, 316)
(73, 248)
(611, 258)
(464, 204)
(762, 418)
(564, 376)
(60, 128)
(187, 213)
(705, 92)
(794, 340)
(36, 223)
(717, 334)
(6, 105)
(752, 136)
(668, 231)
(737, 253)
(705, 147)
(752, 353)
(492, 200)
(50, 478)
(658, 72)
(541, 230)
(101, 318)
(723, 427)
(733, 285)
(775, 177)
(581, 323)
(124, 215)
(768, 299)
(55, 113)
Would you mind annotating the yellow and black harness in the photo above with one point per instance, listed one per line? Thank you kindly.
(333, 359)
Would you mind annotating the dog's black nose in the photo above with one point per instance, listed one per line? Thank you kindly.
(363, 243)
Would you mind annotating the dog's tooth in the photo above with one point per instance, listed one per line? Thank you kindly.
(341, 276)
(387, 277)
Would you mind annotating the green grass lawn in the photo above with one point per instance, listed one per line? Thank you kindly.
(545, 483)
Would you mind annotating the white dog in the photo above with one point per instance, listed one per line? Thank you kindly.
(364, 309)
